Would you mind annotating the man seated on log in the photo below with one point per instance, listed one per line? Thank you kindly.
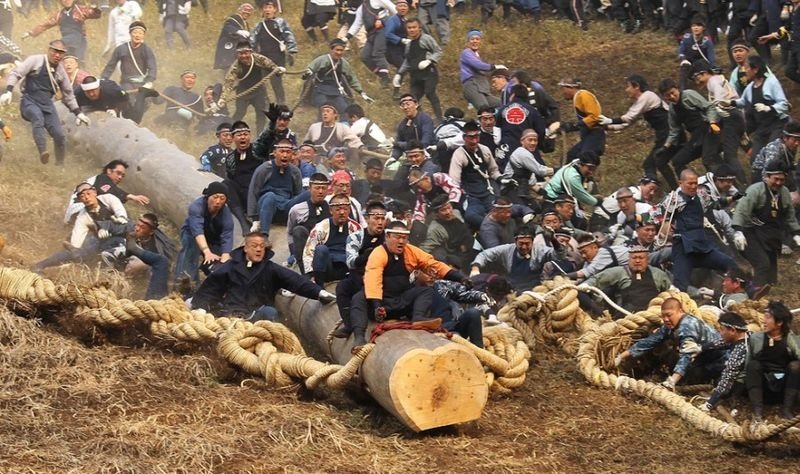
(773, 365)
(275, 187)
(520, 261)
(634, 285)
(102, 95)
(213, 159)
(342, 183)
(146, 248)
(733, 330)
(182, 103)
(449, 301)
(207, 233)
(100, 225)
(688, 333)
(372, 182)
(388, 291)
(278, 128)
(303, 216)
(245, 286)
(324, 255)
(106, 182)
(239, 169)
(429, 186)
(330, 133)
(336, 160)
(448, 238)
(360, 245)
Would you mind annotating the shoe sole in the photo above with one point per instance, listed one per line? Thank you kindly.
(44, 158)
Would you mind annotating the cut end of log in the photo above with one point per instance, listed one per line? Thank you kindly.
(439, 387)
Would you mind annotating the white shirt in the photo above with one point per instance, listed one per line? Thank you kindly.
(85, 224)
(119, 19)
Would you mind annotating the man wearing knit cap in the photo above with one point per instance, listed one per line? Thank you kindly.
(190, 103)
(472, 69)
(275, 187)
(332, 78)
(36, 105)
(95, 94)
(138, 70)
(235, 28)
(762, 216)
(422, 55)
(71, 21)
(244, 83)
(784, 149)
(632, 286)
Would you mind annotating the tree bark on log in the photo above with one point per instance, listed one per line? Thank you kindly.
(424, 380)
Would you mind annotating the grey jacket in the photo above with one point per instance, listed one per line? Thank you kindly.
(32, 65)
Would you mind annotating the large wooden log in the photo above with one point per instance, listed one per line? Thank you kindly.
(424, 380)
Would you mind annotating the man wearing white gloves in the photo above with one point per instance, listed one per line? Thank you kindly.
(234, 29)
(761, 217)
(40, 77)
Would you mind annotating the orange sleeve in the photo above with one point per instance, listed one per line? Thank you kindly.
(373, 275)
(418, 259)
(589, 106)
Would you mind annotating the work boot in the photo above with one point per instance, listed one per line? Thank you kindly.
(183, 285)
(342, 332)
(760, 291)
(44, 157)
(756, 404)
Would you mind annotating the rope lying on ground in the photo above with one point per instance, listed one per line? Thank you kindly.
(551, 312)
(262, 348)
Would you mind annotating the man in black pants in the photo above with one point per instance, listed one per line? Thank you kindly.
(774, 362)
(690, 111)
(421, 61)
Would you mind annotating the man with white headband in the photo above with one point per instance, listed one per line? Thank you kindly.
(521, 262)
(102, 95)
(137, 67)
(388, 291)
(190, 102)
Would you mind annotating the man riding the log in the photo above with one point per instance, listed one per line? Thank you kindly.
(325, 255)
(388, 291)
(240, 165)
(304, 216)
(94, 94)
(245, 83)
(246, 285)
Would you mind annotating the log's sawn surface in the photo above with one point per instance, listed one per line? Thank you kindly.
(424, 380)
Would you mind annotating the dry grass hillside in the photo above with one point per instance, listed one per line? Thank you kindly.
(83, 400)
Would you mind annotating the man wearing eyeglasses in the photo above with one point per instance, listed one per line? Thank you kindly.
(246, 284)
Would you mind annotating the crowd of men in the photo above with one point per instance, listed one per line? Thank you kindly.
(449, 215)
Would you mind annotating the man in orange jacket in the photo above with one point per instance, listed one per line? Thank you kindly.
(388, 290)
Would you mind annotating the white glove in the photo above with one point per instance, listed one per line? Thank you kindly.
(161, 17)
(618, 360)
(762, 107)
(406, 41)
(548, 171)
(605, 120)
(686, 62)
(147, 85)
(397, 80)
(280, 70)
(582, 287)
(244, 34)
(119, 220)
(256, 226)
(706, 293)
(528, 217)
(614, 230)
(5, 98)
(739, 241)
(668, 384)
(500, 66)
(367, 98)
(103, 234)
(723, 113)
(552, 129)
(112, 112)
(326, 297)
(753, 19)
(213, 108)
(423, 64)
(81, 118)
(796, 239)
(185, 8)
(488, 299)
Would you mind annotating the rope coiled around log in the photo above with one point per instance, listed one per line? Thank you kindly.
(263, 348)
